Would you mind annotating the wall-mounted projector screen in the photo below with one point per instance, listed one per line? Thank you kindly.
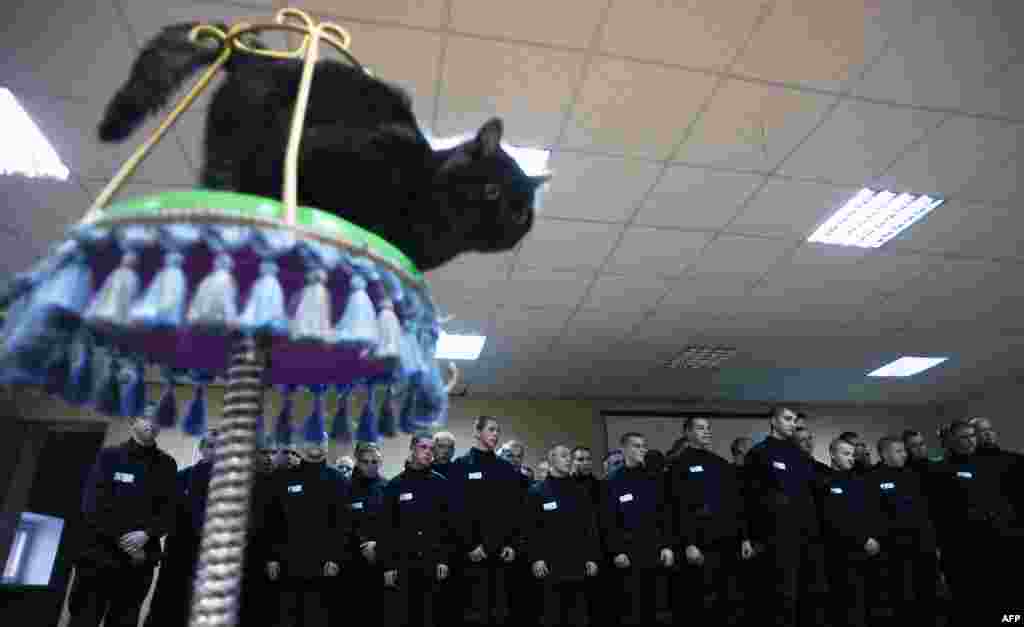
(662, 429)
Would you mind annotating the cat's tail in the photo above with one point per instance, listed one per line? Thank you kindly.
(166, 61)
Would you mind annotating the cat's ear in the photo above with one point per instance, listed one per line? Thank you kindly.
(489, 137)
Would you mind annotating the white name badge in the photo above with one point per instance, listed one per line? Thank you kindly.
(357, 505)
(405, 496)
(550, 505)
(625, 498)
(779, 465)
(124, 477)
(837, 490)
(295, 489)
(965, 475)
(476, 475)
(696, 469)
(887, 486)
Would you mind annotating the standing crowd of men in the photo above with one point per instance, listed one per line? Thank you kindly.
(772, 537)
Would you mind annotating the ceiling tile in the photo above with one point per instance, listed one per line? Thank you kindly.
(531, 287)
(539, 322)
(962, 158)
(822, 45)
(568, 245)
(858, 141)
(696, 198)
(404, 57)
(635, 109)
(888, 271)
(41, 210)
(70, 127)
(692, 33)
(605, 323)
(468, 282)
(570, 23)
(709, 294)
(791, 209)
(484, 78)
(752, 126)
(663, 252)
(738, 254)
(73, 50)
(663, 334)
(129, 190)
(955, 227)
(932, 63)
(591, 187)
(424, 13)
(621, 294)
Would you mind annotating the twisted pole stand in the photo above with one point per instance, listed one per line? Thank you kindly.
(218, 582)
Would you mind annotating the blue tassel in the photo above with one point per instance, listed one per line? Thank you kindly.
(320, 255)
(66, 292)
(180, 235)
(58, 370)
(408, 417)
(388, 428)
(112, 302)
(283, 424)
(408, 360)
(312, 322)
(367, 430)
(314, 429)
(195, 415)
(167, 408)
(261, 432)
(432, 386)
(392, 286)
(133, 389)
(341, 428)
(390, 332)
(358, 325)
(272, 243)
(228, 238)
(265, 313)
(80, 381)
(108, 392)
(163, 303)
(215, 304)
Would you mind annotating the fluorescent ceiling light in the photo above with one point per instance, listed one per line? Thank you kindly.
(871, 218)
(533, 161)
(466, 347)
(26, 150)
(907, 366)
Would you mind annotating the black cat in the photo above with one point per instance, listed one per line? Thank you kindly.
(363, 156)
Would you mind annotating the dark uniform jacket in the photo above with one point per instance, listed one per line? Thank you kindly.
(634, 518)
(415, 522)
(312, 525)
(905, 509)
(130, 488)
(781, 490)
(965, 493)
(850, 514)
(364, 503)
(489, 496)
(705, 502)
(561, 528)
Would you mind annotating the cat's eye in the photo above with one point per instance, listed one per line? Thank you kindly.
(492, 191)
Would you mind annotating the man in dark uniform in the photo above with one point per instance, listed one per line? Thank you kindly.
(851, 524)
(917, 450)
(366, 494)
(909, 550)
(707, 529)
(974, 523)
(561, 542)
(489, 495)
(804, 438)
(417, 541)
(633, 520)
(444, 451)
(128, 505)
(784, 525)
(170, 603)
(260, 595)
(311, 538)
